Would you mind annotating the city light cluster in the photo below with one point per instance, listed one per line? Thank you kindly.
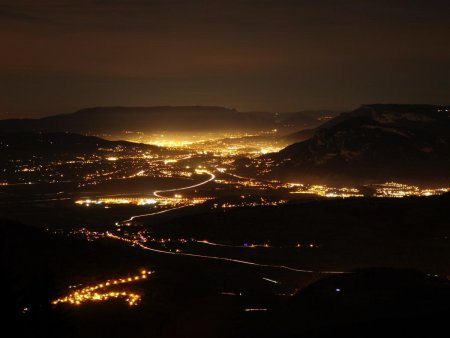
(118, 200)
(389, 189)
(326, 191)
(97, 293)
(177, 199)
(251, 204)
(220, 144)
(398, 190)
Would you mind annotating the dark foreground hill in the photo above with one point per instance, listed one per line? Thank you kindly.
(37, 266)
(373, 143)
(184, 297)
(368, 303)
(347, 233)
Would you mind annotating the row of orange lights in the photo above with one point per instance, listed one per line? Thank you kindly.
(93, 292)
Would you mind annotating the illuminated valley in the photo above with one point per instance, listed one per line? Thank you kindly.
(211, 207)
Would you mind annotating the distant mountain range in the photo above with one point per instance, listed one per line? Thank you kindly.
(115, 121)
(372, 143)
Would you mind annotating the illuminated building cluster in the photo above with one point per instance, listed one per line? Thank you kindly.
(263, 202)
(325, 191)
(177, 199)
(398, 190)
(87, 234)
(219, 144)
(248, 183)
(389, 189)
(88, 170)
(98, 292)
(92, 169)
(118, 200)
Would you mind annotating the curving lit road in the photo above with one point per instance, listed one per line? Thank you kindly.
(218, 258)
(211, 178)
(157, 193)
(152, 214)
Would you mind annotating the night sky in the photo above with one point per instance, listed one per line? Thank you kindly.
(283, 55)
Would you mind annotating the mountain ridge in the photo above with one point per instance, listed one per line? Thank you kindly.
(372, 143)
(116, 120)
(28, 144)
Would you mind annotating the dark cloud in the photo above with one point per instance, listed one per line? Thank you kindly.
(11, 15)
(276, 55)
